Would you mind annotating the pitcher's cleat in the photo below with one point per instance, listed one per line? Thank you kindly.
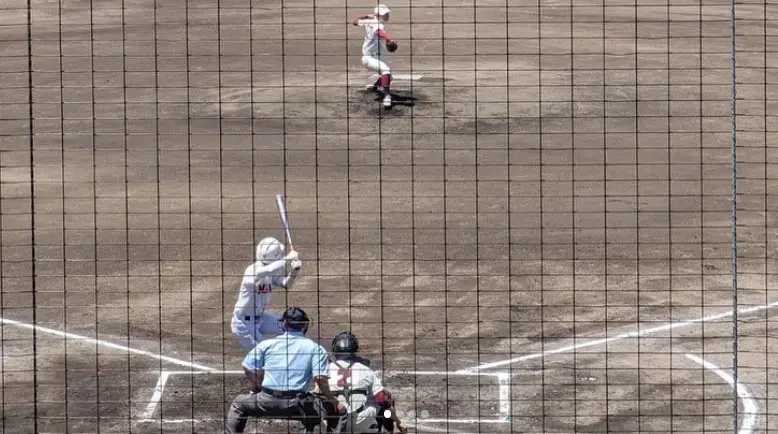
(388, 101)
(374, 86)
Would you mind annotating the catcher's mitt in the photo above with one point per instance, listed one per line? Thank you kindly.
(391, 46)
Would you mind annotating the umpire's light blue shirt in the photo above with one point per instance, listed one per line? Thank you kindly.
(289, 360)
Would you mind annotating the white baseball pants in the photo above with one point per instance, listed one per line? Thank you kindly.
(376, 64)
(251, 330)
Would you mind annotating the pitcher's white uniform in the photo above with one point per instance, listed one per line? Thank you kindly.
(371, 54)
(250, 318)
(361, 386)
(372, 59)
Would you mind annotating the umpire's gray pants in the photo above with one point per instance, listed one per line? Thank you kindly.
(305, 408)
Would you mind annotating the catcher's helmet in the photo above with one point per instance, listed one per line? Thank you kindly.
(296, 319)
(345, 345)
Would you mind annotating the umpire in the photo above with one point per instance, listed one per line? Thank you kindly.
(279, 372)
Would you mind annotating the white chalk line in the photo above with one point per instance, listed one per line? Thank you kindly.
(167, 421)
(742, 392)
(458, 421)
(157, 396)
(80, 338)
(503, 380)
(504, 384)
(400, 76)
(426, 428)
(370, 81)
(749, 405)
(632, 334)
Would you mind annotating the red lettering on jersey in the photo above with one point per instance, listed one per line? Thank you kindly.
(264, 288)
(345, 376)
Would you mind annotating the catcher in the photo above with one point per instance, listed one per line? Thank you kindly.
(353, 383)
(371, 48)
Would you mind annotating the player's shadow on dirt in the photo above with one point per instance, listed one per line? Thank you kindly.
(397, 99)
(369, 104)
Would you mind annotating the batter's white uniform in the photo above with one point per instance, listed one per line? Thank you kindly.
(361, 407)
(250, 319)
(372, 58)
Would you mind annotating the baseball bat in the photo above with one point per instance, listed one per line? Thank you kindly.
(281, 204)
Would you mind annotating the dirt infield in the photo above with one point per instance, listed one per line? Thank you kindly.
(550, 202)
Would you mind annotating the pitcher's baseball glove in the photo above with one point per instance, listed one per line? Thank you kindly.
(391, 46)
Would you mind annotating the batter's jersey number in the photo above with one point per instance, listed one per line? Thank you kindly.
(345, 376)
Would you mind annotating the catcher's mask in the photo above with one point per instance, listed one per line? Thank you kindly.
(295, 319)
(345, 346)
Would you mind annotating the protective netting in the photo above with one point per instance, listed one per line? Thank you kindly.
(563, 222)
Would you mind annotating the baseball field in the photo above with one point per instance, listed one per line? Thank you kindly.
(536, 238)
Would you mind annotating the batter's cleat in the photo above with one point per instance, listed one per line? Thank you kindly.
(388, 101)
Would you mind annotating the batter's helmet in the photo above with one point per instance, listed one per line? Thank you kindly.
(296, 319)
(269, 250)
(345, 345)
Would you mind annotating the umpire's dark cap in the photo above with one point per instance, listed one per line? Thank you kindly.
(295, 318)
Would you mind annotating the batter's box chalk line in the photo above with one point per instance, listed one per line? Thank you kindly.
(502, 380)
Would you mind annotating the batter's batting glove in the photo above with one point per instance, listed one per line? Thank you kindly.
(297, 264)
(391, 46)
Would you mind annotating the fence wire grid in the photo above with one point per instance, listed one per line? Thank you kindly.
(563, 222)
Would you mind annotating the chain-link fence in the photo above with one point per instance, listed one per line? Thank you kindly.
(544, 227)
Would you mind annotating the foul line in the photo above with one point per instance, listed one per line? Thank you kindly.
(632, 334)
(106, 344)
(749, 405)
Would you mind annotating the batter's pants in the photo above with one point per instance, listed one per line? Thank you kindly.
(251, 329)
(301, 406)
(376, 64)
